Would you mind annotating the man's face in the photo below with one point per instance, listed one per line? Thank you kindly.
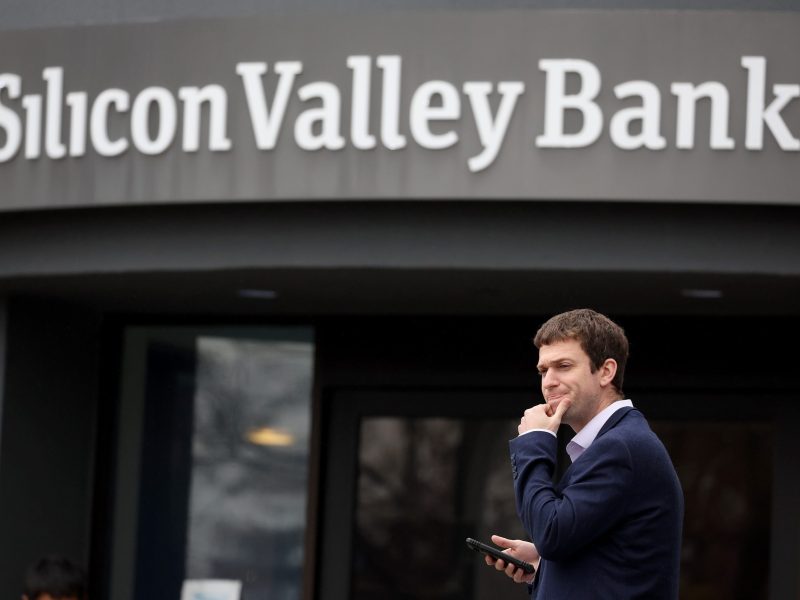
(566, 372)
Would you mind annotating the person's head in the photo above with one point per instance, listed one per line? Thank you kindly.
(54, 578)
(582, 356)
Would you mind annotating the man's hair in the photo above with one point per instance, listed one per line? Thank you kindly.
(598, 335)
(57, 576)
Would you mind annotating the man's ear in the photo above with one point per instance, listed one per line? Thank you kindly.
(608, 371)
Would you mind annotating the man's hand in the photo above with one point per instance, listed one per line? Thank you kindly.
(542, 416)
(519, 549)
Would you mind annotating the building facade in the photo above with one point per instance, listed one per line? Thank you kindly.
(269, 277)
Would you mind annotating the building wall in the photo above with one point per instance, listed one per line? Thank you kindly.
(49, 399)
(491, 235)
(62, 271)
(44, 14)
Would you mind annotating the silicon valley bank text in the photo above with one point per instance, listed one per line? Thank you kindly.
(56, 125)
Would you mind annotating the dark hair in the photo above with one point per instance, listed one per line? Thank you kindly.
(57, 576)
(598, 335)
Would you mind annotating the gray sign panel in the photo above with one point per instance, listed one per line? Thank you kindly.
(584, 105)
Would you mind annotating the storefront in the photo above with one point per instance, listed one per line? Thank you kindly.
(268, 286)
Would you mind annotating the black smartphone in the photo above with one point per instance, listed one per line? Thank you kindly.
(497, 553)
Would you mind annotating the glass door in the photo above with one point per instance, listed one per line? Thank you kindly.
(212, 461)
(410, 474)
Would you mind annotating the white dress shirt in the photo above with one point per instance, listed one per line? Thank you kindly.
(584, 438)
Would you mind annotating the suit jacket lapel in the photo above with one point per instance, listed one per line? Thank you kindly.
(614, 419)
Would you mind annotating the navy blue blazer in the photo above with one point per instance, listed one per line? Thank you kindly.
(611, 528)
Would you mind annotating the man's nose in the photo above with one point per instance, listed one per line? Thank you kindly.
(549, 379)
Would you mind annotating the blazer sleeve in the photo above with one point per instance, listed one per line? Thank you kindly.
(561, 522)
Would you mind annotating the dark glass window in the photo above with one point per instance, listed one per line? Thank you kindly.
(426, 483)
(726, 474)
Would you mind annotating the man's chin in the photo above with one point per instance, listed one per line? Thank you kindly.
(553, 404)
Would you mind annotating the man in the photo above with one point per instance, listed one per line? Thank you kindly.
(611, 528)
(54, 578)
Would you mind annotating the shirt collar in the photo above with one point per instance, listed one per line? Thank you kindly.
(584, 438)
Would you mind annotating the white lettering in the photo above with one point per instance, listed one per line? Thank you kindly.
(266, 126)
(557, 101)
(140, 120)
(54, 76)
(98, 122)
(77, 102)
(757, 115)
(54, 122)
(649, 113)
(327, 115)
(422, 113)
(390, 103)
(9, 120)
(359, 112)
(491, 132)
(33, 125)
(688, 95)
(217, 99)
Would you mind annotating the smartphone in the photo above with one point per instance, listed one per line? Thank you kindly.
(497, 553)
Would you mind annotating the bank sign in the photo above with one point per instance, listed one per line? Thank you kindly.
(584, 105)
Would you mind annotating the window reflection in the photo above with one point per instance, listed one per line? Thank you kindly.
(726, 474)
(250, 463)
(424, 484)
